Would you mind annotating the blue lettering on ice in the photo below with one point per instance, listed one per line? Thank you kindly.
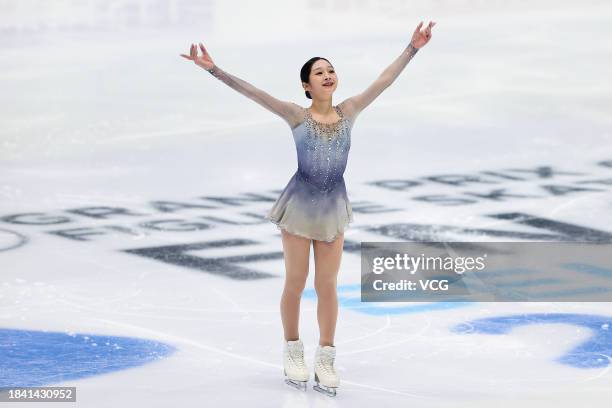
(590, 269)
(376, 308)
(496, 277)
(37, 358)
(592, 353)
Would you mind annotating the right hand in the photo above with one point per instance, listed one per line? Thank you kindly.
(420, 38)
(204, 61)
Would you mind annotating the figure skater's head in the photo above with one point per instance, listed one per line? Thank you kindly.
(316, 72)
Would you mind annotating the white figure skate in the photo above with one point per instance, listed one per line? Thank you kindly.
(326, 378)
(295, 369)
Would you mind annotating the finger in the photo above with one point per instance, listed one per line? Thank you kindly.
(186, 56)
(203, 49)
(418, 28)
(191, 50)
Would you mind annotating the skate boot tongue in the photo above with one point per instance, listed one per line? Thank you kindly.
(327, 351)
(295, 346)
(295, 343)
(296, 350)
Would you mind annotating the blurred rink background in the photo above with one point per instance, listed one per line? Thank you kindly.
(135, 263)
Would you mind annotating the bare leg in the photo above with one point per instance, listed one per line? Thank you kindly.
(297, 252)
(327, 264)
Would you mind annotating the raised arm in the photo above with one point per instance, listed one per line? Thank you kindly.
(286, 110)
(289, 111)
(355, 104)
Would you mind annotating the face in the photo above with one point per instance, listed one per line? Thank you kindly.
(322, 72)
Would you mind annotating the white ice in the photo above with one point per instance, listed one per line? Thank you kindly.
(98, 109)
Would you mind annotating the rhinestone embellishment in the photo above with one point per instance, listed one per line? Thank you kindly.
(328, 130)
(326, 144)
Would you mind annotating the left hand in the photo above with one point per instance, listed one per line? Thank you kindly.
(420, 38)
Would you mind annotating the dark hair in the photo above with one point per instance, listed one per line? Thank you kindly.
(305, 71)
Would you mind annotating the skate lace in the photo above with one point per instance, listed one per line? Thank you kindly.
(327, 363)
(297, 356)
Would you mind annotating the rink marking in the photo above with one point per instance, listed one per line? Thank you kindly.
(395, 343)
(592, 353)
(39, 358)
(197, 344)
(370, 334)
(382, 308)
(152, 316)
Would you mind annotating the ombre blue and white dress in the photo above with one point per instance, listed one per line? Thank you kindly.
(315, 204)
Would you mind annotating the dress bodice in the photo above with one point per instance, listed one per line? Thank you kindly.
(322, 150)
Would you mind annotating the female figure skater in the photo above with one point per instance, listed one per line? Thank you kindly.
(314, 205)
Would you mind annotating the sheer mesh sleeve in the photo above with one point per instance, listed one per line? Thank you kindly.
(289, 111)
(355, 104)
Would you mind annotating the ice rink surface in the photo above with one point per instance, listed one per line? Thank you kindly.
(135, 261)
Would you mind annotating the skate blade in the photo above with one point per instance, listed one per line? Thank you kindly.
(300, 385)
(329, 391)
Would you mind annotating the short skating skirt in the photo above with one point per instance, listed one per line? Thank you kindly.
(303, 209)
